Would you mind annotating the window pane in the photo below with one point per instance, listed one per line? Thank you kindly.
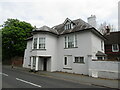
(70, 41)
(65, 42)
(41, 43)
(75, 40)
(79, 59)
(115, 48)
(35, 43)
(65, 60)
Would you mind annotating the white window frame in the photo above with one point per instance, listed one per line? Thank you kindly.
(66, 41)
(43, 42)
(66, 60)
(29, 62)
(34, 42)
(102, 45)
(34, 61)
(113, 48)
(79, 61)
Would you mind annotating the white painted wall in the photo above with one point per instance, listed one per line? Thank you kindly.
(84, 49)
(96, 45)
(87, 42)
(51, 50)
(104, 69)
(27, 54)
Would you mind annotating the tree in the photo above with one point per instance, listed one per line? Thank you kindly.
(14, 34)
(102, 27)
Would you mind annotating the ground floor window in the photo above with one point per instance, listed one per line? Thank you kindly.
(34, 61)
(29, 62)
(100, 58)
(65, 60)
(79, 60)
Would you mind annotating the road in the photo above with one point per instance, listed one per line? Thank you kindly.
(13, 78)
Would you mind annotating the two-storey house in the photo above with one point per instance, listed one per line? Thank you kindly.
(67, 47)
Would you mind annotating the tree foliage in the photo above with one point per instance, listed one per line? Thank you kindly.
(14, 34)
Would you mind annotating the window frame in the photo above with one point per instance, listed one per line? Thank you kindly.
(102, 45)
(70, 41)
(42, 43)
(117, 46)
(65, 60)
(81, 61)
(35, 43)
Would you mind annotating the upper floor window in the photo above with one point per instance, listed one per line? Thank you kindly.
(115, 48)
(41, 43)
(68, 26)
(35, 43)
(102, 45)
(70, 41)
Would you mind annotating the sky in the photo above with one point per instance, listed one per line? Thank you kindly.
(54, 12)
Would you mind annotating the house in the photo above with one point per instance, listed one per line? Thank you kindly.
(67, 47)
(112, 45)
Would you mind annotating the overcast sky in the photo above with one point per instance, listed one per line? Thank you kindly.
(54, 12)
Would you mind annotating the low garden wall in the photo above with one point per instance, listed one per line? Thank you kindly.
(104, 69)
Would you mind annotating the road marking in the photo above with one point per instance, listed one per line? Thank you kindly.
(3, 74)
(28, 82)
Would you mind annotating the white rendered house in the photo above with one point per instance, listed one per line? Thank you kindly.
(68, 47)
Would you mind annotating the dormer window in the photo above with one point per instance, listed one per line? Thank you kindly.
(68, 26)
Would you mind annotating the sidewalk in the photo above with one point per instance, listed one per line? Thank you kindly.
(77, 78)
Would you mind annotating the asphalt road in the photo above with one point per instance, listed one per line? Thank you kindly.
(12, 78)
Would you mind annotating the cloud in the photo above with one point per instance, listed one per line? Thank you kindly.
(53, 12)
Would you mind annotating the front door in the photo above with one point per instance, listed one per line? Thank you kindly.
(45, 64)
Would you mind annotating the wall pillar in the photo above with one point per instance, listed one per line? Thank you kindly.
(31, 63)
(36, 66)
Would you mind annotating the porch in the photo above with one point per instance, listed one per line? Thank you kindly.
(40, 63)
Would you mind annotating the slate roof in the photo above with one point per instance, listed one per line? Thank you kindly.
(113, 38)
(47, 29)
(79, 25)
(99, 53)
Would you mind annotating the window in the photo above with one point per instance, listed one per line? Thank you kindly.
(100, 58)
(79, 59)
(65, 60)
(71, 41)
(115, 48)
(101, 45)
(35, 43)
(41, 43)
(34, 61)
(68, 26)
(29, 62)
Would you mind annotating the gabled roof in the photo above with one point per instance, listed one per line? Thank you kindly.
(79, 25)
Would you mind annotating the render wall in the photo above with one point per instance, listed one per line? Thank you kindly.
(84, 49)
(51, 51)
(104, 69)
(96, 45)
(27, 54)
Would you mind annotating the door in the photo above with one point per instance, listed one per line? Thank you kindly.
(45, 64)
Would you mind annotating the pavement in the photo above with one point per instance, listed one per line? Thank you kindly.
(77, 78)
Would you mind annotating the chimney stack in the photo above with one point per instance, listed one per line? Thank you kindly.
(92, 20)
